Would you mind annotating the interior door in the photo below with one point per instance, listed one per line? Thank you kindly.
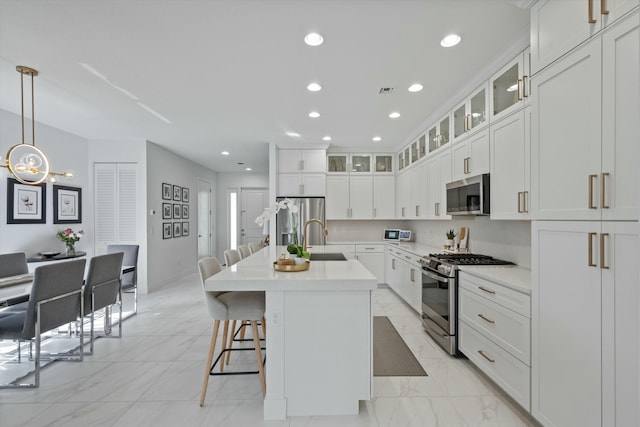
(204, 219)
(253, 201)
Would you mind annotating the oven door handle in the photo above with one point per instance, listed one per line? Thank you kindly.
(435, 276)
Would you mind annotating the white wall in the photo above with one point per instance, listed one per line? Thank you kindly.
(226, 181)
(65, 152)
(170, 259)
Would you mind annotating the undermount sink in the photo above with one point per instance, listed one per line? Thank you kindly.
(327, 256)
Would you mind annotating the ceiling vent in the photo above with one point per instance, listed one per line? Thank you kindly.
(385, 90)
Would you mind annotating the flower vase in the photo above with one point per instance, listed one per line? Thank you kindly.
(71, 249)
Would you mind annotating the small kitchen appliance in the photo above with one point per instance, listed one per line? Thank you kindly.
(440, 293)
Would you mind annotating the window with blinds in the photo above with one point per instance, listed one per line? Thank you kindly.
(115, 202)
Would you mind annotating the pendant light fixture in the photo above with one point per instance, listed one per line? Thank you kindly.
(26, 162)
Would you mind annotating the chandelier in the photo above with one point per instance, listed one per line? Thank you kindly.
(26, 162)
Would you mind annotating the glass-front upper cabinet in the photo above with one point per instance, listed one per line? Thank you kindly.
(414, 151)
(510, 86)
(471, 114)
(422, 146)
(407, 156)
(383, 163)
(360, 163)
(445, 131)
(433, 138)
(401, 160)
(337, 163)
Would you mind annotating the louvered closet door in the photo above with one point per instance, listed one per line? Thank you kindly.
(115, 204)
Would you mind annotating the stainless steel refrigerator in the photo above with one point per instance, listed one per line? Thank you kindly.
(308, 208)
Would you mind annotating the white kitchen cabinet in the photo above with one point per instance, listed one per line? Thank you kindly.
(296, 184)
(296, 160)
(584, 130)
(349, 197)
(585, 323)
(404, 275)
(418, 191)
(471, 114)
(383, 163)
(360, 163)
(384, 197)
(510, 87)
(440, 134)
(510, 166)
(403, 192)
(438, 175)
(372, 257)
(471, 156)
(557, 26)
(337, 163)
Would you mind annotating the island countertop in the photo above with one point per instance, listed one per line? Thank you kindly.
(256, 273)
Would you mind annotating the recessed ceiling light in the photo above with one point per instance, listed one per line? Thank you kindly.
(450, 40)
(326, 138)
(313, 87)
(416, 87)
(225, 153)
(513, 87)
(247, 169)
(293, 134)
(313, 39)
(394, 115)
(376, 138)
(314, 114)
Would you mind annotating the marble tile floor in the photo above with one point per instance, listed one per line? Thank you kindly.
(153, 374)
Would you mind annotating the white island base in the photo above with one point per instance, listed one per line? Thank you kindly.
(319, 333)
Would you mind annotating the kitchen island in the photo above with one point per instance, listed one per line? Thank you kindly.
(319, 332)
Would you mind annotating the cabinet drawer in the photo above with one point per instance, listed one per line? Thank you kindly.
(366, 248)
(507, 371)
(509, 298)
(508, 329)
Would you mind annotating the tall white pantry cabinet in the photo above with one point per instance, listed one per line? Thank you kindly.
(585, 257)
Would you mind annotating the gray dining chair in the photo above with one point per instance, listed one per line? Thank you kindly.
(255, 247)
(129, 279)
(244, 251)
(13, 264)
(102, 290)
(231, 256)
(226, 306)
(55, 300)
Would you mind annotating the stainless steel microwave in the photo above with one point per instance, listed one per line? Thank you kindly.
(469, 196)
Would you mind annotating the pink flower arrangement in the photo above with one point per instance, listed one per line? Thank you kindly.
(69, 236)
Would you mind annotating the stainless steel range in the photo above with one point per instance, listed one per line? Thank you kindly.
(440, 293)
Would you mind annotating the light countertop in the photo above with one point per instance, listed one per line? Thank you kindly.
(256, 273)
(516, 278)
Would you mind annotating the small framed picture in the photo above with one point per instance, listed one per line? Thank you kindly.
(177, 193)
(166, 211)
(185, 211)
(167, 230)
(185, 229)
(177, 211)
(26, 204)
(177, 229)
(185, 194)
(166, 191)
(67, 205)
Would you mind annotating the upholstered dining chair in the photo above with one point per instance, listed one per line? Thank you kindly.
(244, 251)
(255, 247)
(13, 264)
(130, 279)
(226, 306)
(55, 300)
(231, 256)
(102, 290)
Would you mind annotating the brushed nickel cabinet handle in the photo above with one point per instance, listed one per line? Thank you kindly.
(482, 316)
(591, 20)
(590, 243)
(525, 197)
(393, 263)
(591, 178)
(417, 207)
(603, 7)
(374, 212)
(520, 90)
(524, 86)
(519, 205)
(486, 357)
(489, 291)
(301, 188)
(603, 236)
(603, 176)
(403, 211)
(301, 165)
(412, 275)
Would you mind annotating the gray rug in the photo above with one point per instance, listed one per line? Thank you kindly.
(391, 356)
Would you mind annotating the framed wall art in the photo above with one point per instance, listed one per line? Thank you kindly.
(185, 229)
(26, 204)
(166, 191)
(185, 211)
(167, 230)
(177, 229)
(177, 193)
(67, 205)
(167, 212)
(177, 211)
(185, 195)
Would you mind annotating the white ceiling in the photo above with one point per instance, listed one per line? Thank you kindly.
(232, 75)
